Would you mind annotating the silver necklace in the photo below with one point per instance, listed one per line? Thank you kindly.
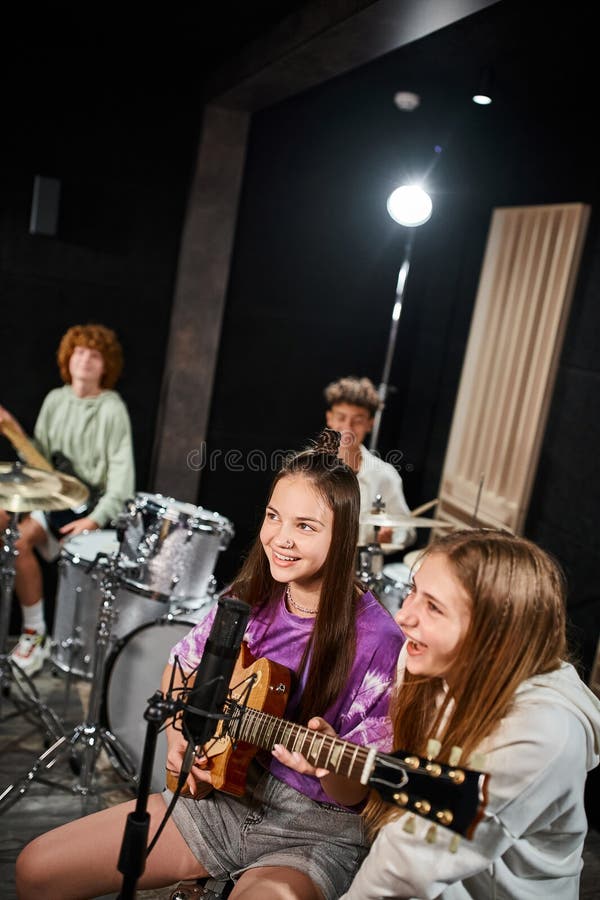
(302, 609)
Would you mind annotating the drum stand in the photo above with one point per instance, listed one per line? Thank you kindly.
(15, 684)
(90, 735)
(370, 562)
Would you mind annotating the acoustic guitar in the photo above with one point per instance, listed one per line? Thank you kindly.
(259, 689)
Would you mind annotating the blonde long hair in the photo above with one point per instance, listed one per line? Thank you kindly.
(517, 629)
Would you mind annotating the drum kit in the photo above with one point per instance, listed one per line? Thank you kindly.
(124, 598)
(388, 581)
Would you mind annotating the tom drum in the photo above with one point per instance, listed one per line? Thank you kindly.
(174, 547)
(78, 601)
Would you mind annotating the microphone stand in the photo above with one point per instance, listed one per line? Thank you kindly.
(132, 858)
(205, 704)
(134, 847)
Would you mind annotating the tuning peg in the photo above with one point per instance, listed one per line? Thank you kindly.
(409, 825)
(455, 755)
(454, 843)
(477, 761)
(444, 817)
(423, 807)
(433, 748)
(457, 776)
(413, 762)
(401, 798)
(431, 835)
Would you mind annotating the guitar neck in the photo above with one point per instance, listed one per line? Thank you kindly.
(447, 795)
(322, 750)
(25, 448)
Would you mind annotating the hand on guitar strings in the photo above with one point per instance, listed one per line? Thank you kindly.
(198, 780)
(298, 762)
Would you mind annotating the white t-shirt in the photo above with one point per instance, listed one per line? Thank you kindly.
(378, 477)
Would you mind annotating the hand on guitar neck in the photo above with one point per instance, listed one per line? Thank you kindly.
(340, 788)
(448, 795)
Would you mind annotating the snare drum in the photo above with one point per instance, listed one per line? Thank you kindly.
(78, 602)
(133, 674)
(392, 590)
(174, 548)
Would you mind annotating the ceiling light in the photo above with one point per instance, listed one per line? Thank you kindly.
(483, 95)
(406, 100)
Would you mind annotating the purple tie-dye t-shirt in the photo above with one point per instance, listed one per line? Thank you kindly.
(359, 714)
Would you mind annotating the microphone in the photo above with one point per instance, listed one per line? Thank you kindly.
(211, 684)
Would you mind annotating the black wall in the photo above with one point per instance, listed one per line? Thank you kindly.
(317, 257)
(123, 150)
(123, 154)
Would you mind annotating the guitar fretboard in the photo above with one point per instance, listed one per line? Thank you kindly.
(322, 750)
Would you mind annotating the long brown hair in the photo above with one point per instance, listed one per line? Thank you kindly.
(516, 630)
(332, 644)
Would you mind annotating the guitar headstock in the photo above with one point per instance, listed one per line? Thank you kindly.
(450, 795)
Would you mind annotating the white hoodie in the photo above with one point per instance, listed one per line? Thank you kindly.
(530, 840)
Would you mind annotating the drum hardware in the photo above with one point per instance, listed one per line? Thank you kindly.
(23, 489)
(15, 684)
(370, 565)
(78, 600)
(89, 735)
(387, 582)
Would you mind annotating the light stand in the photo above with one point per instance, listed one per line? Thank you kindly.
(410, 206)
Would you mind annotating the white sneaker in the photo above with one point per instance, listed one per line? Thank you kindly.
(31, 651)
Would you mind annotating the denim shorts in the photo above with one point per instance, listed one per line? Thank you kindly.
(273, 825)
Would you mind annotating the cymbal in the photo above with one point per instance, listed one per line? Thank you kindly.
(383, 520)
(23, 488)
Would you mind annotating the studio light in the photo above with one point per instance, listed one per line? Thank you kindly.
(483, 95)
(410, 206)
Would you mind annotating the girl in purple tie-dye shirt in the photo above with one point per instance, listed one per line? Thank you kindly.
(286, 836)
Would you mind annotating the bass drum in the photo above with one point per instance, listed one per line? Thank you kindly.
(133, 674)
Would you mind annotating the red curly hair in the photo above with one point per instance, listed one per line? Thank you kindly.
(98, 337)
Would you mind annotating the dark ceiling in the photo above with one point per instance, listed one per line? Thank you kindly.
(172, 45)
(132, 49)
